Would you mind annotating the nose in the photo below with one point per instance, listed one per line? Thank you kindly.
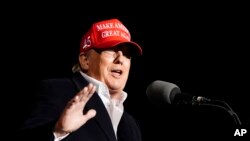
(119, 57)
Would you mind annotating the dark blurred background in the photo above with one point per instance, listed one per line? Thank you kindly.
(202, 50)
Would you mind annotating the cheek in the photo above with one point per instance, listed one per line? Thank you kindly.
(127, 64)
(99, 67)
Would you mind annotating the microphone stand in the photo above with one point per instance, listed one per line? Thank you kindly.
(217, 103)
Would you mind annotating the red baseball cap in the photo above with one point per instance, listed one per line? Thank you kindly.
(107, 34)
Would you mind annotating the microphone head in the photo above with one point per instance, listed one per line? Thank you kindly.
(161, 92)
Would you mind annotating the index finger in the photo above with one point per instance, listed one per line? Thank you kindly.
(86, 92)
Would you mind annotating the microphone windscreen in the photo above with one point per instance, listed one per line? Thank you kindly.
(161, 92)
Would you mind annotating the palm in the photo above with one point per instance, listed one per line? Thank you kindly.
(73, 117)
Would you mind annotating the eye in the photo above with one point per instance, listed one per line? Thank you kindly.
(125, 51)
(113, 52)
(110, 53)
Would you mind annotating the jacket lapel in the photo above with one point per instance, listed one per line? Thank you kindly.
(95, 102)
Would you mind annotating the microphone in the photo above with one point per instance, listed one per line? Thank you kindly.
(161, 92)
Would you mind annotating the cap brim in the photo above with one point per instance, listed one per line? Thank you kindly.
(135, 48)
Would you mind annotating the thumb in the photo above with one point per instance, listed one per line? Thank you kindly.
(90, 114)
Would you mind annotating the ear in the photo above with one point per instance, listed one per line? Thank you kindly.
(83, 61)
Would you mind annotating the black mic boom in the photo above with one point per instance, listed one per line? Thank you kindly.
(161, 92)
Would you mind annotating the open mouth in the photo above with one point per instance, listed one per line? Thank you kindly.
(116, 72)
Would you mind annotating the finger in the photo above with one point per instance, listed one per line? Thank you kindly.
(83, 93)
(91, 91)
(90, 114)
(73, 100)
(87, 92)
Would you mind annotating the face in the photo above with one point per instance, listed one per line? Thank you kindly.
(110, 66)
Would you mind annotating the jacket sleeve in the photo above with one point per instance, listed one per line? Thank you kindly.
(49, 103)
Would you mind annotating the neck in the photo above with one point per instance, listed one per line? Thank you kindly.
(115, 94)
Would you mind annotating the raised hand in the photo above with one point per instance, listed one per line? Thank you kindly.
(73, 117)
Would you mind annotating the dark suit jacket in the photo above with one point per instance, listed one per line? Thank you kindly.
(54, 94)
